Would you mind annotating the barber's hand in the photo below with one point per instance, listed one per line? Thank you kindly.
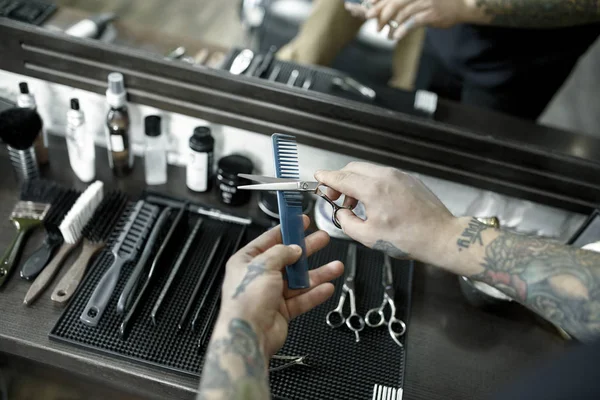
(404, 218)
(411, 14)
(254, 289)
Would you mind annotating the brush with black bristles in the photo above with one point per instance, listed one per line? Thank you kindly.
(71, 227)
(19, 127)
(95, 237)
(40, 258)
(36, 197)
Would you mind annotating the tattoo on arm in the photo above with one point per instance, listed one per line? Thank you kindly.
(559, 282)
(471, 235)
(254, 271)
(389, 249)
(235, 367)
(540, 13)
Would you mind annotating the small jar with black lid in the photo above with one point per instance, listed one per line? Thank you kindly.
(228, 180)
(200, 162)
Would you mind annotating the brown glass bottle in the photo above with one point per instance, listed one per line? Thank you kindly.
(120, 153)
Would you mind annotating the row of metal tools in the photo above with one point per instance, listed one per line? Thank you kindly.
(375, 317)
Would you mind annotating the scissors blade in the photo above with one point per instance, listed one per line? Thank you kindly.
(351, 262)
(286, 186)
(266, 179)
(387, 278)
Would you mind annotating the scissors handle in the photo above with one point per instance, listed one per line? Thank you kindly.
(354, 321)
(335, 318)
(375, 317)
(335, 207)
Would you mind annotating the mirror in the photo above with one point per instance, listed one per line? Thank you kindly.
(325, 48)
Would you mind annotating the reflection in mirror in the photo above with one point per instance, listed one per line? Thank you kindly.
(510, 59)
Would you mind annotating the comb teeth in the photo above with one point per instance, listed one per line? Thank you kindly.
(285, 150)
(105, 217)
(40, 191)
(140, 222)
(81, 212)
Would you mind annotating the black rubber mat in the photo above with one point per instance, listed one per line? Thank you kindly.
(339, 368)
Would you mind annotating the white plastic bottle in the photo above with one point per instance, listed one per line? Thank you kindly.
(80, 144)
(155, 157)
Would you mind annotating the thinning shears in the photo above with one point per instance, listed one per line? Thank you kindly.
(376, 316)
(335, 318)
(292, 185)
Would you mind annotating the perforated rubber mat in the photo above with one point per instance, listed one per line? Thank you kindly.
(339, 368)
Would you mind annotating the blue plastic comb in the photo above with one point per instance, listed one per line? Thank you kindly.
(285, 152)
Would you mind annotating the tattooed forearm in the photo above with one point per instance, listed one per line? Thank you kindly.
(471, 235)
(390, 249)
(561, 283)
(254, 271)
(234, 366)
(540, 13)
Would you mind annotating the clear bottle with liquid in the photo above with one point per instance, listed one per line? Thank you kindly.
(155, 154)
(80, 144)
(120, 154)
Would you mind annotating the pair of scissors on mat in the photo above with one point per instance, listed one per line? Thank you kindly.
(376, 316)
(335, 318)
(292, 185)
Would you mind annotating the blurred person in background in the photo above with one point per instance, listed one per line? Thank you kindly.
(507, 55)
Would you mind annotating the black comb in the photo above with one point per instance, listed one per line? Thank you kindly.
(95, 236)
(65, 198)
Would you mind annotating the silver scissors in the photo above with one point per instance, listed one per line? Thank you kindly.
(335, 318)
(292, 185)
(376, 317)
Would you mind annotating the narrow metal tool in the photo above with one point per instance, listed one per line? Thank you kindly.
(275, 73)
(308, 82)
(291, 361)
(159, 261)
(216, 278)
(254, 65)
(350, 85)
(200, 282)
(293, 78)
(212, 316)
(175, 270)
(266, 62)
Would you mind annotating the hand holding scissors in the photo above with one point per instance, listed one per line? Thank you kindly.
(292, 185)
(335, 318)
(376, 316)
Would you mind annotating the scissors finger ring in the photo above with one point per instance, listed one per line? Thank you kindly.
(375, 318)
(335, 207)
(396, 327)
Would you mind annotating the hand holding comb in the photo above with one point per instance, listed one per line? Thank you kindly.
(28, 214)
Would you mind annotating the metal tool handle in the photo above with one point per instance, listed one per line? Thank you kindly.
(99, 300)
(354, 321)
(40, 258)
(375, 317)
(66, 287)
(335, 207)
(335, 318)
(45, 277)
(11, 255)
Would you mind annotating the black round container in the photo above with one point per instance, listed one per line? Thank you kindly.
(227, 179)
